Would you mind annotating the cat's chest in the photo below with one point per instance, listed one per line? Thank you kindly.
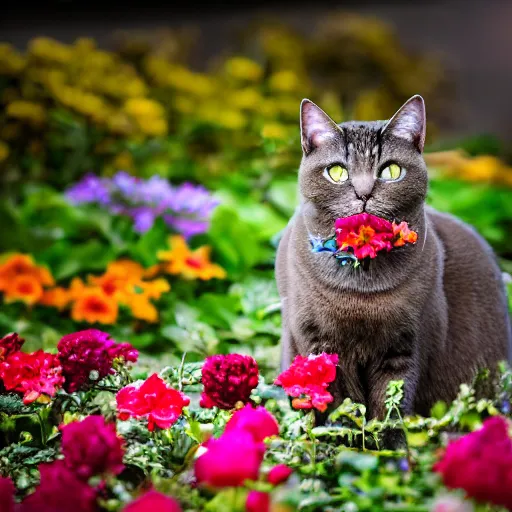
(348, 320)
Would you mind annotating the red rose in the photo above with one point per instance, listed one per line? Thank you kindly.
(60, 490)
(279, 474)
(86, 351)
(9, 345)
(31, 374)
(230, 460)
(92, 447)
(481, 463)
(228, 379)
(154, 400)
(153, 501)
(256, 420)
(257, 502)
(308, 378)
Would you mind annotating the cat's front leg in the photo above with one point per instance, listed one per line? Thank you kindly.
(396, 365)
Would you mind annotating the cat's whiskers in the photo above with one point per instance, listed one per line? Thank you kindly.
(426, 229)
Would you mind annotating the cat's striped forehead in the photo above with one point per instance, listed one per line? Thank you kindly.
(361, 141)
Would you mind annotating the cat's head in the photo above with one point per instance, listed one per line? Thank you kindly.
(375, 167)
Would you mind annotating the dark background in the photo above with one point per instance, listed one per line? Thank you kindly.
(472, 37)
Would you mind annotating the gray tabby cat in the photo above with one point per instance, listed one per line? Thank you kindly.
(431, 314)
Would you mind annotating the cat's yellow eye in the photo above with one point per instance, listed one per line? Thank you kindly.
(391, 172)
(336, 173)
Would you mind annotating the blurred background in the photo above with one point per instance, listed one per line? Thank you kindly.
(123, 125)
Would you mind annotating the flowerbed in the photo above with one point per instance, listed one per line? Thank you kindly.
(215, 436)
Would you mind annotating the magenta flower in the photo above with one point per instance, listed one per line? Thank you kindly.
(7, 494)
(279, 474)
(92, 447)
(308, 378)
(257, 502)
(230, 460)
(89, 351)
(366, 235)
(228, 379)
(256, 420)
(153, 501)
(60, 490)
(481, 463)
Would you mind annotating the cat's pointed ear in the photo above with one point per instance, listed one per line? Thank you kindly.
(316, 127)
(409, 122)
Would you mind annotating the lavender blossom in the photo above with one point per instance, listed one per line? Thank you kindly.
(186, 208)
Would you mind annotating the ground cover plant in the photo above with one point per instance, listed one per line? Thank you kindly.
(143, 202)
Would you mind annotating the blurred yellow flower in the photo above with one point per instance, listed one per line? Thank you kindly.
(242, 68)
(245, 99)
(148, 114)
(457, 164)
(4, 151)
(143, 107)
(221, 116)
(184, 80)
(27, 111)
(275, 131)
(47, 49)
(284, 81)
(189, 264)
(11, 62)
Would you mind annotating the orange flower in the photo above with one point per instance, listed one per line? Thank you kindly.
(154, 289)
(25, 288)
(190, 264)
(141, 308)
(403, 234)
(23, 265)
(94, 306)
(56, 297)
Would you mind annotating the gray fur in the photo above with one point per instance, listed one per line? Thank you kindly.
(430, 313)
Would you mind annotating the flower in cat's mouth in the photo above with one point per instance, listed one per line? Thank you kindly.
(363, 236)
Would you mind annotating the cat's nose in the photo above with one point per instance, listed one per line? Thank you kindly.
(363, 187)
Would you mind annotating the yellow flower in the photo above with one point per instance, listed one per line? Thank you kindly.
(242, 68)
(275, 131)
(141, 308)
(26, 288)
(143, 107)
(4, 151)
(185, 80)
(152, 127)
(189, 264)
(284, 81)
(247, 98)
(11, 62)
(48, 49)
(27, 111)
(93, 306)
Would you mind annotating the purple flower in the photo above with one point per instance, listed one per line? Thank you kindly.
(186, 208)
(91, 189)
